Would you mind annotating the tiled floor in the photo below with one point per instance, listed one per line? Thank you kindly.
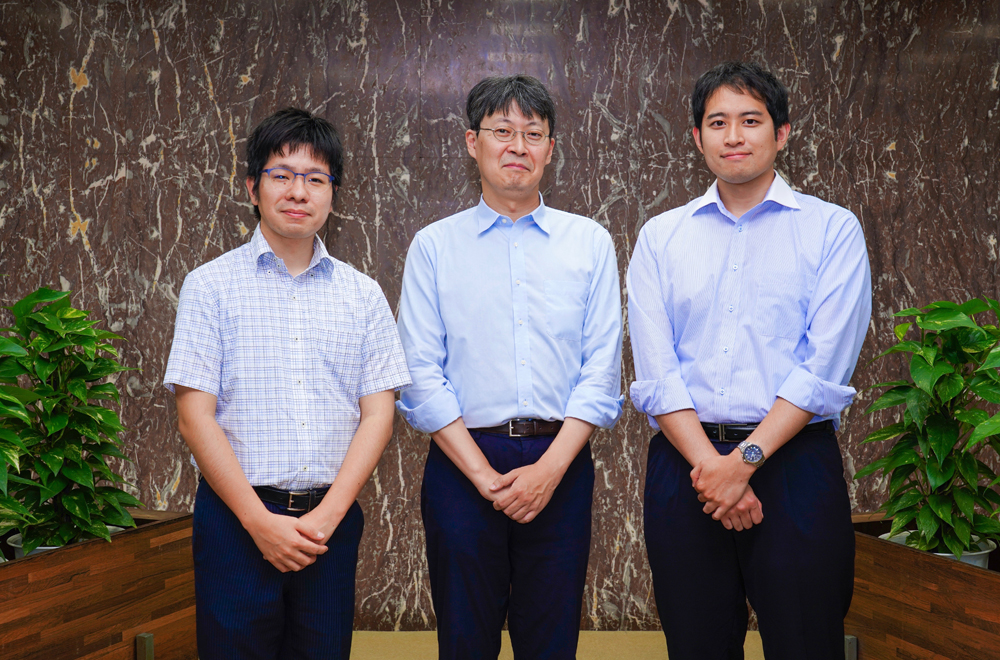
(593, 646)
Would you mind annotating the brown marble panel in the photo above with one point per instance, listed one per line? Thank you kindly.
(123, 124)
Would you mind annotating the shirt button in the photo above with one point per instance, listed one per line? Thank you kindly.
(525, 403)
(740, 228)
(517, 282)
(515, 244)
(722, 390)
(730, 308)
(520, 322)
(305, 469)
(295, 298)
(522, 362)
(303, 424)
(505, 221)
(725, 349)
(300, 382)
(296, 338)
(734, 266)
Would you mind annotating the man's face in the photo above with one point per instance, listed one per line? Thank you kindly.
(510, 170)
(737, 137)
(295, 212)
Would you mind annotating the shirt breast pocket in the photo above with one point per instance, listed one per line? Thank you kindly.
(566, 309)
(781, 307)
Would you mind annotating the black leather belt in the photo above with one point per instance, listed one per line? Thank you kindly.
(740, 432)
(522, 428)
(294, 500)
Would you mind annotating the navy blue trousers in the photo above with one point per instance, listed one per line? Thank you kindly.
(249, 610)
(796, 567)
(484, 567)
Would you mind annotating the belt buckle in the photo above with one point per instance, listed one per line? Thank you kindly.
(722, 432)
(510, 430)
(293, 493)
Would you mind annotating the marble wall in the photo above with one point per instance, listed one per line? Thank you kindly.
(123, 125)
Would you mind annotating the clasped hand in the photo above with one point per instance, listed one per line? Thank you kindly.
(289, 543)
(723, 485)
(523, 492)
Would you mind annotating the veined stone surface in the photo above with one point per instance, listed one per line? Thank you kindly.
(123, 127)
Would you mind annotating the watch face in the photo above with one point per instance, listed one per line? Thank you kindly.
(753, 454)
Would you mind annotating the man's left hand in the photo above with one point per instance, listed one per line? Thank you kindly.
(525, 491)
(721, 482)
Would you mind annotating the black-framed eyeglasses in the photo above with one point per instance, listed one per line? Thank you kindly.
(507, 134)
(282, 177)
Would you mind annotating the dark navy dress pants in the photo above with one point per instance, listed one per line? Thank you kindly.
(484, 567)
(249, 610)
(796, 567)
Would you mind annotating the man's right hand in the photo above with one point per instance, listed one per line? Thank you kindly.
(283, 544)
(746, 513)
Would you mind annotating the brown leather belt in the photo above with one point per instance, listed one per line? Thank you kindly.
(523, 428)
(740, 432)
(294, 500)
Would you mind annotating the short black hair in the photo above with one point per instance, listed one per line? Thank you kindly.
(746, 78)
(288, 131)
(495, 94)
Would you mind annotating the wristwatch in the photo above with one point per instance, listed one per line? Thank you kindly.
(752, 454)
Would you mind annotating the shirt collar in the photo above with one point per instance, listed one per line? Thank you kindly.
(778, 192)
(260, 247)
(487, 217)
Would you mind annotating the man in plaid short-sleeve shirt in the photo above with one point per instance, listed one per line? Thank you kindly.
(284, 363)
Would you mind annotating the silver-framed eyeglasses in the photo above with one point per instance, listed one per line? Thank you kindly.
(503, 134)
(282, 178)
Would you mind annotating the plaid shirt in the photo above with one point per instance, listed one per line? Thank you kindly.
(288, 358)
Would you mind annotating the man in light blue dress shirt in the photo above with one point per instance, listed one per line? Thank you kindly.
(510, 318)
(747, 310)
(284, 362)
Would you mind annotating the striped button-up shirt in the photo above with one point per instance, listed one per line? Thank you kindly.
(727, 313)
(287, 357)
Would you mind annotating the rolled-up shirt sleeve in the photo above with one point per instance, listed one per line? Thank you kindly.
(430, 403)
(597, 398)
(659, 387)
(836, 323)
(196, 352)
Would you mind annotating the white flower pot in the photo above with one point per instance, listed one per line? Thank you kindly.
(15, 542)
(980, 557)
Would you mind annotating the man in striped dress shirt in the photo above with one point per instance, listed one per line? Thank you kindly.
(747, 310)
(284, 363)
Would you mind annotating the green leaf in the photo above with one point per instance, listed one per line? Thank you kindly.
(53, 488)
(78, 388)
(939, 475)
(15, 410)
(966, 502)
(98, 529)
(927, 522)
(44, 368)
(904, 501)
(963, 530)
(984, 430)
(985, 388)
(942, 434)
(992, 360)
(56, 423)
(123, 498)
(950, 386)
(872, 468)
(900, 479)
(901, 520)
(53, 459)
(908, 346)
(925, 375)
(942, 506)
(950, 540)
(986, 526)
(917, 404)
(974, 306)
(104, 391)
(905, 457)
(972, 417)
(10, 369)
(894, 397)
(909, 311)
(969, 469)
(901, 329)
(76, 503)
(26, 305)
(885, 433)
(944, 319)
(81, 474)
(9, 347)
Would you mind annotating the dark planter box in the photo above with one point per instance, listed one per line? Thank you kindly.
(89, 600)
(912, 604)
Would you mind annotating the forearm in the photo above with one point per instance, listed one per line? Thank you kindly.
(782, 423)
(683, 429)
(456, 443)
(574, 434)
(367, 445)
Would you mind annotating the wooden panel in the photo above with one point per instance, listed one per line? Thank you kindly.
(90, 600)
(914, 605)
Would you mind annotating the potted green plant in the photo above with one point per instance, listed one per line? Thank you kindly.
(56, 433)
(939, 484)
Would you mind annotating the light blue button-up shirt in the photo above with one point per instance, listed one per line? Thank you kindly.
(727, 313)
(502, 320)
